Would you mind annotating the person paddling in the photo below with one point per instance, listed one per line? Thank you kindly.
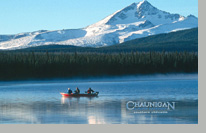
(77, 91)
(90, 91)
(69, 91)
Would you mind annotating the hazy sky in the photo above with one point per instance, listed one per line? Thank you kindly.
(18, 16)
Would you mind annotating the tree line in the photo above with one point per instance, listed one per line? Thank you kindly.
(39, 65)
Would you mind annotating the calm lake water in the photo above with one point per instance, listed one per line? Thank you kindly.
(40, 102)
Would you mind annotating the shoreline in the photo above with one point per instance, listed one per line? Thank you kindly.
(163, 76)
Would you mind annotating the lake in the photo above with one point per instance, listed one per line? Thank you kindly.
(40, 102)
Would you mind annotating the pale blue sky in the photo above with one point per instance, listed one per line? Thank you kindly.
(18, 16)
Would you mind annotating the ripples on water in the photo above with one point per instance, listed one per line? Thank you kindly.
(40, 101)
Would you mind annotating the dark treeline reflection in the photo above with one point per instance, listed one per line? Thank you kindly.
(19, 65)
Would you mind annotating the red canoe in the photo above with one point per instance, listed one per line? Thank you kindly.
(79, 95)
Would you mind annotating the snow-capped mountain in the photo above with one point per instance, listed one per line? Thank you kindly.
(135, 21)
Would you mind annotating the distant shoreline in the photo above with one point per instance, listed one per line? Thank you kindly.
(112, 77)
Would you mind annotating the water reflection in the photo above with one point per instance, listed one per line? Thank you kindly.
(42, 103)
(68, 100)
(17, 114)
(91, 111)
(95, 120)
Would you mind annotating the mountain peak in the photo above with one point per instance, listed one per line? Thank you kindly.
(138, 11)
(145, 8)
(144, 2)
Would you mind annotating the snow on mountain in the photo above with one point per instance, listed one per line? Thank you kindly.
(135, 21)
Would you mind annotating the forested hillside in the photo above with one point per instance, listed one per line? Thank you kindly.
(16, 66)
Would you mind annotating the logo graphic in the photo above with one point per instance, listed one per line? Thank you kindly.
(150, 107)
